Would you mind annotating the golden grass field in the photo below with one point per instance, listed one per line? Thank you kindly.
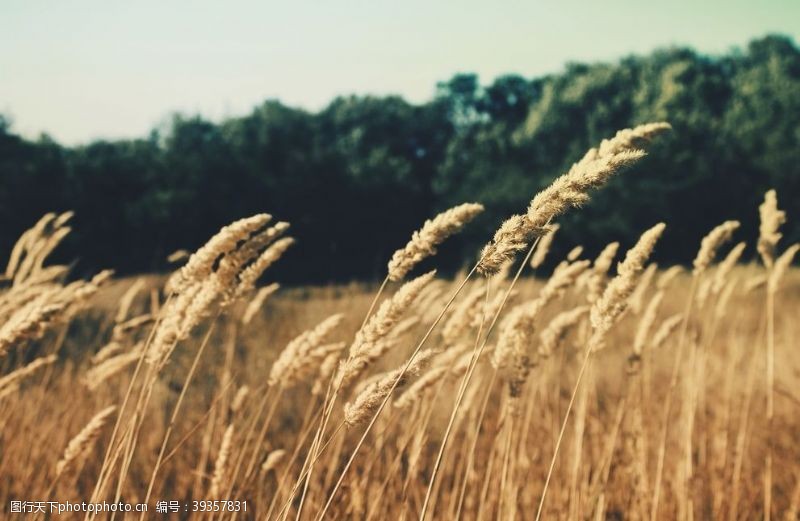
(611, 389)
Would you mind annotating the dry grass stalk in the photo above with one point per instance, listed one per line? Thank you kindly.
(326, 370)
(646, 323)
(111, 367)
(81, 445)
(597, 276)
(201, 264)
(273, 460)
(512, 356)
(711, 244)
(363, 407)
(492, 308)
(107, 351)
(668, 276)
(726, 266)
(553, 335)
(416, 391)
(780, 266)
(26, 242)
(543, 248)
(251, 274)
(636, 300)
(214, 277)
(257, 302)
(221, 464)
(303, 355)
(569, 190)
(13, 378)
(668, 326)
(614, 300)
(574, 253)
(771, 220)
(239, 398)
(368, 342)
(423, 243)
(461, 318)
(126, 300)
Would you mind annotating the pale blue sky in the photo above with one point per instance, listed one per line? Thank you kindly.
(84, 69)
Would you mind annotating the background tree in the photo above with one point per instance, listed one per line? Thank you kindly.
(357, 177)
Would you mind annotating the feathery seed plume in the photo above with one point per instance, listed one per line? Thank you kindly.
(370, 398)
(367, 340)
(104, 370)
(239, 398)
(646, 323)
(724, 298)
(771, 220)
(636, 300)
(553, 335)
(569, 190)
(272, 460)
(221, 464)
(251, 274)
(574, 253)
(30, 321)
(298, 359)
(512, 237)
(126, 300)
(213, 278)
(201, 263)
(780, 266)
(711, 243)
(26, 242)
(665, 330)
(13, 378)
(668, 276)
(82, 443)
(512, 355)
(461, 317)
(598, 274)
(259, 252)
(754, 283)
(543, 248)
(725, 267)
(423, 242)
(416, 390)
(614, 300)
(257, 302)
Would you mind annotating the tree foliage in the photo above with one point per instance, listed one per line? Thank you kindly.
(357, 177)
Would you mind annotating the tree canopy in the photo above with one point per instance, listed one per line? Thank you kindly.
(356, 178)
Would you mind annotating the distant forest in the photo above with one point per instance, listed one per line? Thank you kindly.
(356, 178)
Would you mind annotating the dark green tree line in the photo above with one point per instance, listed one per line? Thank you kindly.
(357, 177)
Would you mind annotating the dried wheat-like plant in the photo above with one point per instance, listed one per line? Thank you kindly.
(771, 220)
(81, 445)
(569, 190)
(614, 300)
(543, 248)
(711, 244)
(423, 243)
